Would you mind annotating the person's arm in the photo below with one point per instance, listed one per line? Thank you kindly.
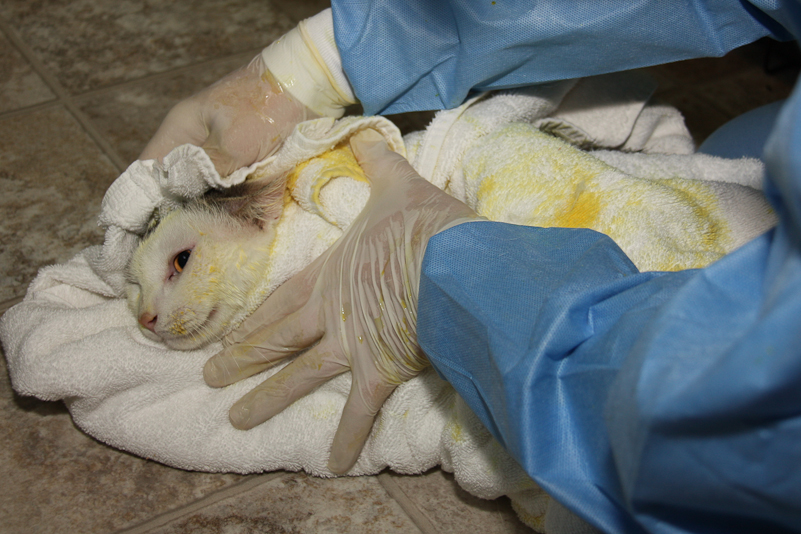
(245, 116)
(407, 56)
(418, 55)
(658, 401)
(352, 309)
(666, 402)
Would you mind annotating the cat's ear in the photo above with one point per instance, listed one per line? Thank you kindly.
(258, 202)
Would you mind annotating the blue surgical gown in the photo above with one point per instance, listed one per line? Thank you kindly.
(644, 402)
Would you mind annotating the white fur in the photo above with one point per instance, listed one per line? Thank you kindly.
(199, 304)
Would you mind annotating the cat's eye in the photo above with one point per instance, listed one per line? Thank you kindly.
(179, 262)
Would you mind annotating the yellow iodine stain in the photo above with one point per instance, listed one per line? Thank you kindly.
(456, 431)
(324, 411)
(704, 205)
(335, 163)
(670, 224)
(178, 327)
(523, 176)
(582, 214)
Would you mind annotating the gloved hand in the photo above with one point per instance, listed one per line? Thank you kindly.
(238, 120)
(244, 117)
(355, 307)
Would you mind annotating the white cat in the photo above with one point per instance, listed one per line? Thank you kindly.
(195, 271)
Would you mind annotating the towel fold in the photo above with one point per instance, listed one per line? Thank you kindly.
(73, 338)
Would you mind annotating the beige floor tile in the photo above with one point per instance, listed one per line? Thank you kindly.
(58, 480)
(302, 9)
(52, 179)
(88, 44)
(128, 115)
(20, 86)
(298, 503)
(452, 510)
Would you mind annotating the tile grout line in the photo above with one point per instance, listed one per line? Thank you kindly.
(62, 95)
(160, 75)
(63, 98)
(248, 484)
(100, 91)
(418, 517)
(30, 109)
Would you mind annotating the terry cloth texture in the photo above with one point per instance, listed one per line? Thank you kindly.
(73, 337)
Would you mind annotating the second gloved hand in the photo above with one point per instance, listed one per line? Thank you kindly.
(354, 308)
(245, 116)
(238, 120)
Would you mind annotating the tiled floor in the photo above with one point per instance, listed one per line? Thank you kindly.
(83, 84)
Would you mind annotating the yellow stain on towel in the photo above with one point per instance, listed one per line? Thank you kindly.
(582, 214)
(323, 411)
(536, 522)
(542, 182)
(701, 200)
(335, 163)
(523, 176)
(456, 431)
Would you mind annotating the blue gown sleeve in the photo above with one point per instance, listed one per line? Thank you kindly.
(644, 402)
(659, 402)
(415, 55)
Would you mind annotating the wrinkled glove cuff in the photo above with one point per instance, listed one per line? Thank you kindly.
(306, 63)
(461, 220)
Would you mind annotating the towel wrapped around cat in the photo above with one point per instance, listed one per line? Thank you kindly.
(75, 338)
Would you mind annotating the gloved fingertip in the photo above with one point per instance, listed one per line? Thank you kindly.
(239, 415)
(152, 153)
(351, 436)
(340, 464)
(214, 374)
(224, 163)
(366, 143)
(368, 135)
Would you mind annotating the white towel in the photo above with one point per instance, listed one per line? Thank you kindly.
(73, 338)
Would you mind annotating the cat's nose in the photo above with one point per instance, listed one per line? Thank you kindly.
(148, 320)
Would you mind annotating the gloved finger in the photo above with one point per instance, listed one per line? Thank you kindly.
(223, 161)
(377, 160)
(275, 394)
(355, 425)
(241, 140)
(181, 126)
(233, 143)
(287, 298)
(262, 348)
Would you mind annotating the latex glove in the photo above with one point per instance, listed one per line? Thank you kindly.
(354, 308)
(244, 117)
(239, 120)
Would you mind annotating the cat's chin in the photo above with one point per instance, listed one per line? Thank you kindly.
(200, 336)
(185, 344)
(152, 336)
